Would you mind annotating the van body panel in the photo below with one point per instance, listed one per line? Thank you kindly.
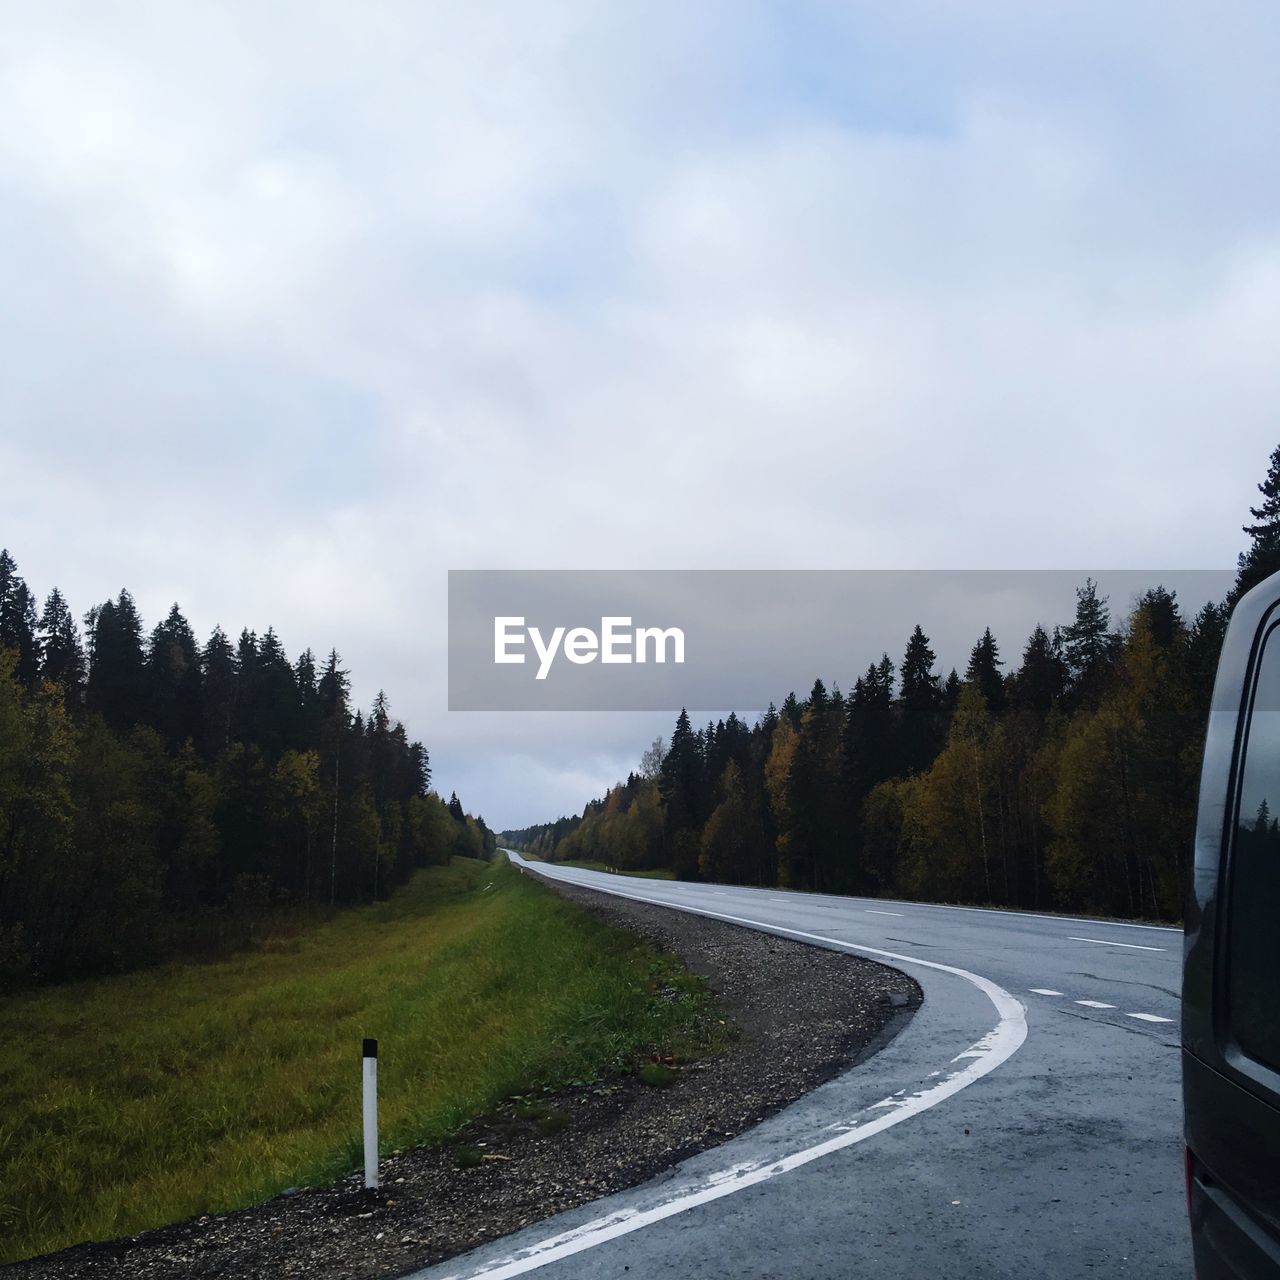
(1231, 1090)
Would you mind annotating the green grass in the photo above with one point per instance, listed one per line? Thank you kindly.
(137, 1100)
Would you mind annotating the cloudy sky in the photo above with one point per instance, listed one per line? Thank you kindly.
(306, 304)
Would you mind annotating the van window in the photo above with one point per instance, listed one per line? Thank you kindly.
(1253, 925)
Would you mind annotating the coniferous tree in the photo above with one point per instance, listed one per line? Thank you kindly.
(274, 697)
(334, 689)
(116, 684)
(62, 659)
(1262, 557)
(419, 769)
(679, 779)
(1204, 644)
(173, 680)
(246, 705)
(920, 702)
(307, 719)
(680, 786)
(984, 672)
(951, 687)
(181, 805)
(1088, 645)
(218, 676)
(1040, 680)
(18, 621)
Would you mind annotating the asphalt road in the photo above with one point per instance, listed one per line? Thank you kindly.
(1027, 1122)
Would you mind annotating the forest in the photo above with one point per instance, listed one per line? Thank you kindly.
(1065, 781)
(163, 798)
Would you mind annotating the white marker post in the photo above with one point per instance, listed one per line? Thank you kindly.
(370, 1113)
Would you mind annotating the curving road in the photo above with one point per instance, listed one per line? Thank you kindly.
(1026, 1122)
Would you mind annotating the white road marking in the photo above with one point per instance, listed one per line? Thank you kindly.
(1009, 913)
(1095, 1004)
(1044, 991)
(1149, 1017)
(1103, 942)
(871, 911)
(980, 1058)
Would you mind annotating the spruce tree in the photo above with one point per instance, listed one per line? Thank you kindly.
(246, 705)
(1159, 608)
(419, 769)
(1039, 681)
(920, 701)
(1204, 643)
(1262, 557)
(1089, 648)
(984, 672)
(173, 679)
(334, 688)
(791, 710)
(308, 697)
(218, 693)
(869, 754)
(951, 687)
(818, 699)
(18, 621)
(277, 694)
(61, 652)
(680, 780)
(115, 687)
(381, 753)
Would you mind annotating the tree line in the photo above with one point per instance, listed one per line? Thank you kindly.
(160, 796)
(1067, 782)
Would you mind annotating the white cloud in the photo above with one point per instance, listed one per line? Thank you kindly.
(311, 304)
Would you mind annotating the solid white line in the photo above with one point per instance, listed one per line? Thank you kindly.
(1103, 942)
(1095, 1004)
(1044, 991)
(871, 911)
(1149, 1017)
(1009, 913)
(982, 1057)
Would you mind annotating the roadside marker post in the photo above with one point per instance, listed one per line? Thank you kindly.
(371, 1113)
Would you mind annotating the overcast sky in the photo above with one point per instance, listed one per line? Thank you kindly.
(306, 304)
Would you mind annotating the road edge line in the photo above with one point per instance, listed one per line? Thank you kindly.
(980, 1058)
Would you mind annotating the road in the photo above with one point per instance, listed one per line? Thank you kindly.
(1026, 1122)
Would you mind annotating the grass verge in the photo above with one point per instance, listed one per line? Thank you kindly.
(137, 1100)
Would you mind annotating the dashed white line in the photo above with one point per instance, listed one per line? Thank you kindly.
(1044, 991)
(1149, 1017)
(1095, 1004)
(1102, 942)
(871, 911)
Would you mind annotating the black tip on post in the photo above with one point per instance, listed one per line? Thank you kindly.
(370, 1048)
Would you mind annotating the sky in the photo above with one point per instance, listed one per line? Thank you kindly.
(307, 304)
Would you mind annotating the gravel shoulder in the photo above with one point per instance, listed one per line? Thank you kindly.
(799, 1015)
